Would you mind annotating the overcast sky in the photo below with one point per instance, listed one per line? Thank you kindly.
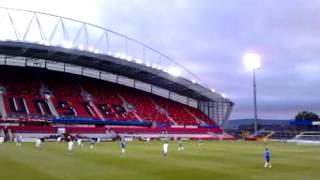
(209, 37)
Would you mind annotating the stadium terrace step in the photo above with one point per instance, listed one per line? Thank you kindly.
(176, 111)
(40, 97)
(144, 107)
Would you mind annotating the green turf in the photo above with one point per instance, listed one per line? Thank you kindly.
(213, 160)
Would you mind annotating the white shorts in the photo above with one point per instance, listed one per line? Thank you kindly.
(38, 142)
(70, 145)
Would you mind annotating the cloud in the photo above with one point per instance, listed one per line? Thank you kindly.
(210, 37)
(309, 72)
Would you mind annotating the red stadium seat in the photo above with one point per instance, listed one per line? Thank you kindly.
(94, 99)
(176, 111)
(143, 105)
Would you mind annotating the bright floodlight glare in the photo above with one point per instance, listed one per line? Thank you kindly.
(54, 43)
(80, 47)
(174, 71)
(90, 48)
(139, 61)
(193, 81)
(213, 90)
(109, 53)
(46, 43)
(252, 61)
(67, 44)
(42, 42)
(117, 55)
(223, 95)
(8, 39)
(128, 58)
(96, 51)
(123, 56)
(147, 64)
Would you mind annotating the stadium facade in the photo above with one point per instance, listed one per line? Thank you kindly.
(40, 41)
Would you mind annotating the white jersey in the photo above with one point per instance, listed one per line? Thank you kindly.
(38, 143)
(59, 139)
(70, 145)
(165, 147)
(79, 142)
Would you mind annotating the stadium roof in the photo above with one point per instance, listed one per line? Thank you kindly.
(91, 46)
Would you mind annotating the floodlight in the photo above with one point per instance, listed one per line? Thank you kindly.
(54, 43)
(67, 44)
(174, 71)
(96, 51)
(47, 43)
(80, 47)
(224, 95)
(44, 42)
(139, 61)
(117, 55)
(213, 90)
(252, 61)
(8, 39)
(90, 48)
(123, 56)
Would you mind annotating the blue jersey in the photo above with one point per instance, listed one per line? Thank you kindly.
(266, 155)
(19, 139)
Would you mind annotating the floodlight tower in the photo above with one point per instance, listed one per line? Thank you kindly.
(252, 61)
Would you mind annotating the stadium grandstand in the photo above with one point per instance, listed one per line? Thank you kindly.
(294, 131)
(61, 75)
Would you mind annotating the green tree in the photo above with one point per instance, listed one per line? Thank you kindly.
(306, 115)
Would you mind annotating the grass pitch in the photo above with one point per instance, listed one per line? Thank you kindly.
(213, 160)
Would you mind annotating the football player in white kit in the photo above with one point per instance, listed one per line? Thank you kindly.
(180, 146)
(38, 142)
(165, 149)
(91, 143)
(59, 139)
(70, 143)
(79, 142)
